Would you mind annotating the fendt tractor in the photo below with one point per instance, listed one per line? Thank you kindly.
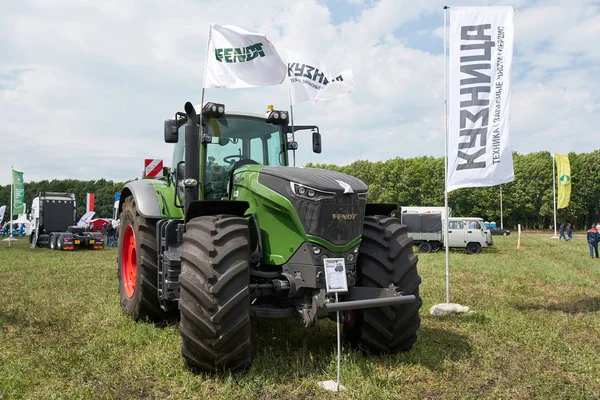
(54, 218)
(233, 233)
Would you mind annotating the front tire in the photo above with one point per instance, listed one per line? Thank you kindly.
(386, 256)
(215, 324)
(137, 261)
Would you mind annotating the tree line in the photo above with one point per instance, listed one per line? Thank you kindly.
(528, 200)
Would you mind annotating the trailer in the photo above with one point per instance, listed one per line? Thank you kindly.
(54, 217)
(425, 230)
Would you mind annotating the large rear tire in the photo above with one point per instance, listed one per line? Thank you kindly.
(386, 256)
(215, 324)
(138, 271)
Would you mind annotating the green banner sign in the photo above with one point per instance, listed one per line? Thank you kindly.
(18, 193)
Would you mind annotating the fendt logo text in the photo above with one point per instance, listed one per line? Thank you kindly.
(239, 54)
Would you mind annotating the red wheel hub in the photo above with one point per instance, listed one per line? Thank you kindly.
(129, 261)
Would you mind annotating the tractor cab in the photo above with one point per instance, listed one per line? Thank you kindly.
(230, 141)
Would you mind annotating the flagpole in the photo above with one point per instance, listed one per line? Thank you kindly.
(292, 122)
(446, 222)
(501, 220)
(11, 204)
(554, 191)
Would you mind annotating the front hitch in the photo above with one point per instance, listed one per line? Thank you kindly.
(358, 298)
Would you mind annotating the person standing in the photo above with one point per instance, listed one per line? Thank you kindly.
(569, 232)
(561, 230)
(111, 235)
(592, 238)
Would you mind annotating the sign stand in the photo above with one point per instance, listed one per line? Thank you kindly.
(335, 278)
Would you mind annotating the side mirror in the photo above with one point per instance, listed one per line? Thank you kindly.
(171, 131)
(316, 142)
(291, 145)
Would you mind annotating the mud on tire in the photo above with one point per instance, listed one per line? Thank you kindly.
(215, 324)
(386, 256)
(143, 303)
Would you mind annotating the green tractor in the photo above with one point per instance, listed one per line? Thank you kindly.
(232, 232)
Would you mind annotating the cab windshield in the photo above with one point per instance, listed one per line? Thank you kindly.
(238, 140)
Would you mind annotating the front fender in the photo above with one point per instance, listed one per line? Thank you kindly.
(146, 199)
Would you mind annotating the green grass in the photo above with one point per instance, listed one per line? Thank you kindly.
(535, 333)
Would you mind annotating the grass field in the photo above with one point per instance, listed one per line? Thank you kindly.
(535, 333)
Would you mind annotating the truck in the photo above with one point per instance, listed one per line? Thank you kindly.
(427, 232)
(53, 221)
(232, 233)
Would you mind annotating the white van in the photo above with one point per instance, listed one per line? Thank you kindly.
(470, 233)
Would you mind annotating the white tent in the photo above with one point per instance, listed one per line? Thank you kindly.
(22, 220)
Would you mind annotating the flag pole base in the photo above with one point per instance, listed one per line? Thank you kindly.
(332, 386)
(442, 309)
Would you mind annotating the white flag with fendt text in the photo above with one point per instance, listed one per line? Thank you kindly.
(309, 79)
(481, 52)
(237, 58)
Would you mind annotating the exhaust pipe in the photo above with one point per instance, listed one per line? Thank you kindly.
(192, 156)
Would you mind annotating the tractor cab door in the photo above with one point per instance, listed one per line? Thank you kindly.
(222, 154)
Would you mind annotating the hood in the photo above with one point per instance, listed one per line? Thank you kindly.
(321, 179)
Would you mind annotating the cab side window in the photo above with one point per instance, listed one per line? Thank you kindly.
(455, 225)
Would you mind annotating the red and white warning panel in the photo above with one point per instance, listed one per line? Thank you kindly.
(89, 202)
(153, 168)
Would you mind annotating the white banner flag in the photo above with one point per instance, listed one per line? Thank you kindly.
(237, 58)
(2, 211)
(309, 80)
(85, 220)
(481, 52)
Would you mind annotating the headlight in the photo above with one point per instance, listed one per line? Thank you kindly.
(277, 117)
(310, 193)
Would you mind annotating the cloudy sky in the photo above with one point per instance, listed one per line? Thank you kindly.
(85, 85)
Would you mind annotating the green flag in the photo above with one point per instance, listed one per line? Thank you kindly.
(18, 193)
